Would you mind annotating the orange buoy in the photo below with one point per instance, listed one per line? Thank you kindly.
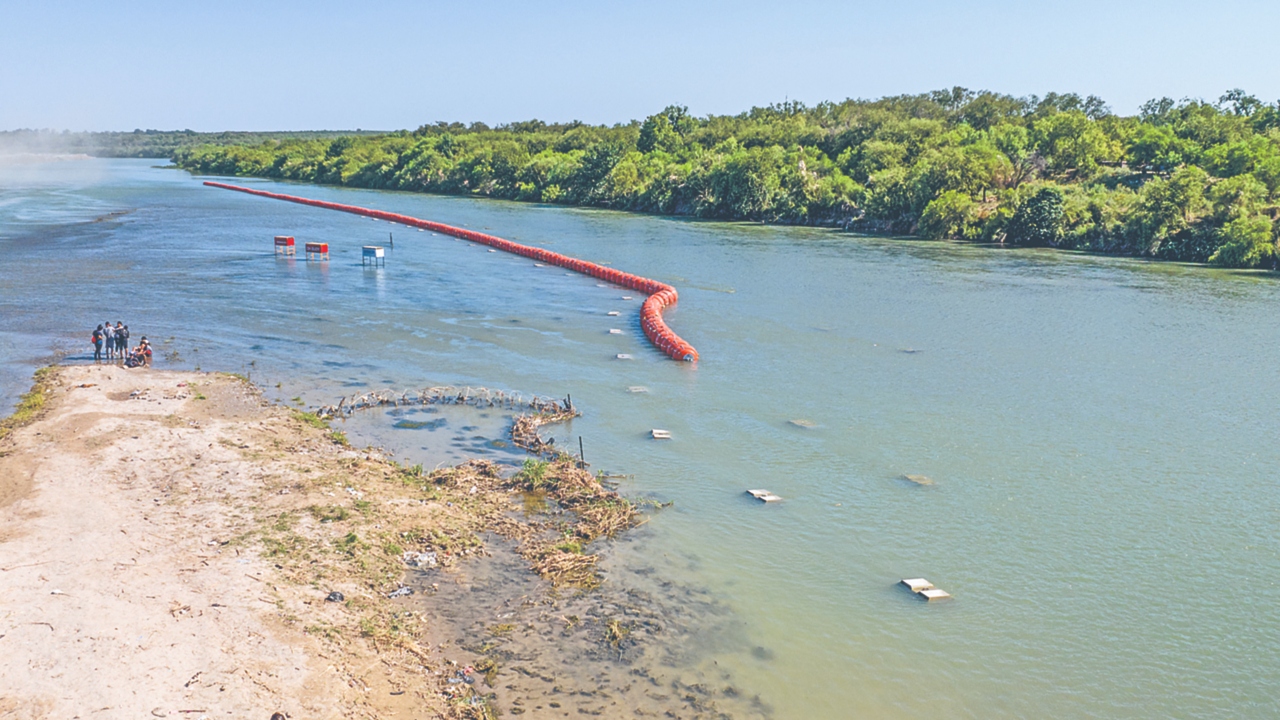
(660, 295)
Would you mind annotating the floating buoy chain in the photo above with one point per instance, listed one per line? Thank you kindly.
(661, 295)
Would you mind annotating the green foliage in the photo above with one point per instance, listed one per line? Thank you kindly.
(946, 216)
(1159, 149)
(1168, 208)
(533, 475)
(350, 544)
(311, 419)
(1057, 170)
(1070, 141)
(1039, 221)
(1236, 197)
(30, 404)
(150, 143)
(1246, 243)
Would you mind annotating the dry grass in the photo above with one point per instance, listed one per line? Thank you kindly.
(597, 512)
(524, 431)
(334, 519)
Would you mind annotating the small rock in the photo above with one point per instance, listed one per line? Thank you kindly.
(335, 596)
(918, 479)
(801, 422)
(400, 592)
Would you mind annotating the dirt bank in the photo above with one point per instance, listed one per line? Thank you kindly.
(169, 544)
(138, 574)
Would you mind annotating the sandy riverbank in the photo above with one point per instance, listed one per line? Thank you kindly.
(123, 591)
(168, 541)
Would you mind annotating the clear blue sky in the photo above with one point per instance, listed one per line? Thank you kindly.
(323, 65)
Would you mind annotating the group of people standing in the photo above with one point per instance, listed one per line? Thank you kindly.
(115, 341)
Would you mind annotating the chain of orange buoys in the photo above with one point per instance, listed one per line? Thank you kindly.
(661, 295)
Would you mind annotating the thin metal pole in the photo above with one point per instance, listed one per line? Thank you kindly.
(582, 456)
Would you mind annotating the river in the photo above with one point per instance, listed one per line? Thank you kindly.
(1101, 433)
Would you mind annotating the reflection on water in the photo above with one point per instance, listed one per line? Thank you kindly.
(1099, 431)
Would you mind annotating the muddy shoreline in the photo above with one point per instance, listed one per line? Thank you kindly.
(238, 503)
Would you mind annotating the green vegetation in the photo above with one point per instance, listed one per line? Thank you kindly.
(30, 404)
(146, 143)
(311, 419)
(1191, 180)
(533, 475)
(329, 513)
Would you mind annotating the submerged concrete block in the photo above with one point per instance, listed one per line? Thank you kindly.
(917, 584)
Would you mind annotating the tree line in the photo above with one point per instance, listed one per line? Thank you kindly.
(1188, 180)
(144, 143)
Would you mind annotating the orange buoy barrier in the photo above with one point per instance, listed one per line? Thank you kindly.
(661, 295)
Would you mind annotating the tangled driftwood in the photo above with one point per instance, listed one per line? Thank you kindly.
(524, 431)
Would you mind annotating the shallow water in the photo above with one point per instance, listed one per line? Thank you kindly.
(1101, 433)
